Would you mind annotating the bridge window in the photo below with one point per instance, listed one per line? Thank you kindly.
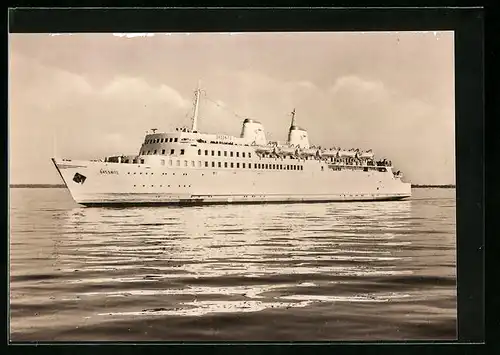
(163, 151)
(142, 161)
(266, 166)
(182, 151)
(243, 165)
(154, 152)
(213, 153)
(172, 151)
(225, 164)
(249, 165)
(231, 154)
(175, 139)
(237, 165)
(206, 164)
(288, 167)
(199, 151)
(225, 153)
(206, 152)
(237, 154)
(170, 140)
(232, 165)
(213, 164)
(161, 141)
(178, 163)
(249, 155)
(218, 153)
(243, 154)
(219, 164)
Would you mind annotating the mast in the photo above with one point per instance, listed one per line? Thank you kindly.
(196, 108)
(291, 126)
(293, 118)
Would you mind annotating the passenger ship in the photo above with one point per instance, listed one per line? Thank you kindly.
(190, 167)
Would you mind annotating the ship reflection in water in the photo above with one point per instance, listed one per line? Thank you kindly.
(338, 271)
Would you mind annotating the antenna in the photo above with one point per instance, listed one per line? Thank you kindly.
(196, 107)
(154, 130)
(293, 118)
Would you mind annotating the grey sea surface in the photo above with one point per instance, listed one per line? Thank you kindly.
(287, 272)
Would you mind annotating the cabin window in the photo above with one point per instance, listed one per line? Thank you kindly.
(213, 153)
(218, 153)
(199, 151)
(161, 141)
(182, 151)
(274, 166)
(249, 165)
(302, 167)
(266, 166)
(237, 154)
(199, 163)
(213, 164)
(154, 152)
(147, 153)
(178, 163)
(288, 167)
(185, 163)
(206, 152)
(225, 153)
(249, 155)
(206, 164)
(225, 164)
(193, 164)
(170, 140)
(142, 161)
(172, 151)
(163, 162)
(237, 165)
(243, 165)
(322, 168)
(170, 162)
(219, 164)
(175, 139)
(232, 165)
(163, 151)
(230, 154)
(243, 154)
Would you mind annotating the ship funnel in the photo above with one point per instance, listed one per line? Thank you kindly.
(253, 132)
(297, 136)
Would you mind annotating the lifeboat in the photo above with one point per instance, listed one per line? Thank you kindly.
(366, 155)
(264, 149)
(329, 153)
(288, 150)
(346, 153)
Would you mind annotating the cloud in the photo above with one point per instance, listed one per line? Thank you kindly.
(127, 88)
(133, 35)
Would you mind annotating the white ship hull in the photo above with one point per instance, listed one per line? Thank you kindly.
(93, 183)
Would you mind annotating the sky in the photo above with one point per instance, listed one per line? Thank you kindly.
(86, 96)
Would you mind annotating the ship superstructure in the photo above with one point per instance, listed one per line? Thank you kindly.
(186, 166)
